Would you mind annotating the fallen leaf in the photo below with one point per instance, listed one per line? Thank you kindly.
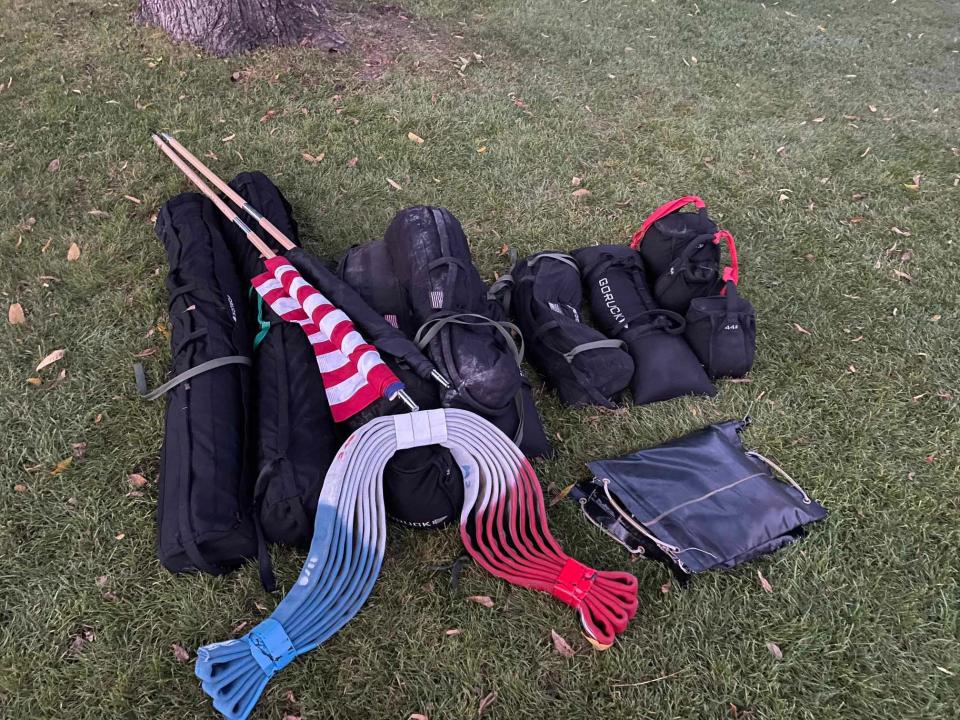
(134, 200)
(901, 275)
(51, 359)
(901, 233)
(935, 318)
(764, 583)
(352, 162)
(581, 193)
(74, 252)
(314, 158)
(665, 588)
(930, 459)
(775, 650)
(873, 108)
(394, 184)
(134, 493)
(561, 645)
(15, 314)
(575, 181)
(54, 165)
(146, 353)
(61, 466)
(34, 381)
(180, 652)
(851, 369)
(268, 115)
(98, 419)
(120, 536)
(486, 702)
(561, 495)
(906, 256)
(110, 596)
(136, 479)
(413, 137)
(484, 600)
(20, 487)
(819, 119)
(228, 138)
(801, 329)
(79, 450)
(866, 152)
(80, 640)
(504, 249)
(98, 213)
(452, 632)
(417, 716)
(103, 581)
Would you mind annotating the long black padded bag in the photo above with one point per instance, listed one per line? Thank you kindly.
(295, 436)
(623, 307)
(681, 253)
(423, 486)
(544, 292)
(464, 333)
(204, 513)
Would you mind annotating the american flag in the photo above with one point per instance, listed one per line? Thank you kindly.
(354, 374)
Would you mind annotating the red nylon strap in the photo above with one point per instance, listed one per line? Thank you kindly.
(662, 212)
(573, 583)
(732, 271)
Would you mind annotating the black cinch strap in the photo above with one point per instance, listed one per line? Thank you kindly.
(141, 378)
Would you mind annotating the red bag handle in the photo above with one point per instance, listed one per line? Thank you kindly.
(732, 271)
(663, 211)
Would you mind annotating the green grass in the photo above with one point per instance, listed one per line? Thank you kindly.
(865, 610)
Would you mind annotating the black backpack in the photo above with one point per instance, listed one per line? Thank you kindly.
(464, 333)
(204, 511)
(623, 307)
(544, 293)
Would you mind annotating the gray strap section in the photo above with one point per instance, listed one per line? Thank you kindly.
(562, 257)
(431, 328)
(503, 284)
(594, 345)
(184, 376)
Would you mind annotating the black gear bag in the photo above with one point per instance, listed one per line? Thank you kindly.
(544, 293)
(204, 511)
(622, 306)
(463, 332)
(722, 330)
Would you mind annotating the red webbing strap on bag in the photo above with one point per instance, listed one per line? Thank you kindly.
(662, 212)
(573, 583)
(732, 271)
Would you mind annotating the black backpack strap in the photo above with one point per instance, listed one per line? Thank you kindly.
(160, 391)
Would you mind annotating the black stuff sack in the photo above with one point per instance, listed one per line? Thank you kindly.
(544, 293)
(463, 332)
(699, 502)
(296, 439)
(622, 306)
(422, 486)
(681, 253)
(204, 512)
(722, 330)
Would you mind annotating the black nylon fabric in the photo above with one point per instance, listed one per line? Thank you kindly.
(681, 260)
(622, 307)
(704, 499)
(431, 260)
(545, 300)
(296, 440)
(204, 517)
(722, 330)
(423, 486)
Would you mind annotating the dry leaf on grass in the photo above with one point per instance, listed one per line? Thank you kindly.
(313, 158)
(352, 162)
(665, 588)
(180, 652)
(764, 583)
(136, 480)
(561, 645)
(34, 381)
(775, 650)
(486, 703)
(146, 353)
(581, 193)
(484, 600)
(15, 314)
(119, 536)
(901, 233)
(418, 716)
(61, 466)
(800, 329)
(394, 184)
(74, 252)
(575, 181)
(54, 165)
(51, 359)
(452, 632)
(413, 137)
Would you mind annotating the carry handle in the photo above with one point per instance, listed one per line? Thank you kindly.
(731, 273)
(662, 212)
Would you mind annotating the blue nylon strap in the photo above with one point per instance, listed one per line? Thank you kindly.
(270, 646)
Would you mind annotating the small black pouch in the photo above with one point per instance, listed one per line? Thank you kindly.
(699, 502)
(544, 293)
(722, 330)
(622, 306)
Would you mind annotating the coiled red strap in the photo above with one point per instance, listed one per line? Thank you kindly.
(573, 583)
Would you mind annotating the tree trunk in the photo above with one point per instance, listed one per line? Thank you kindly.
(226, 27)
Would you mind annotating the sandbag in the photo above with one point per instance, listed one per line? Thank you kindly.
(205, 520)
(465, 334)
(722, 330)
(623, 307)
(422, 486)
(295, 439)
(585, 366)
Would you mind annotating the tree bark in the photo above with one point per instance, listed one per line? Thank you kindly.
(227, 27)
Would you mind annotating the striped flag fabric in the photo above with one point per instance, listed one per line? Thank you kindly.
(354, 375)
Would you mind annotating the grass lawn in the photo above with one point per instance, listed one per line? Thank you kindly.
(825, 136)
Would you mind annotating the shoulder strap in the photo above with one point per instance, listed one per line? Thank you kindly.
(661, 212)
(141, 378)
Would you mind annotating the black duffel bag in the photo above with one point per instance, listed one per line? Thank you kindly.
(463, 332)
(204, 512)
(622, 306)
(544, 293)
(722, 330)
